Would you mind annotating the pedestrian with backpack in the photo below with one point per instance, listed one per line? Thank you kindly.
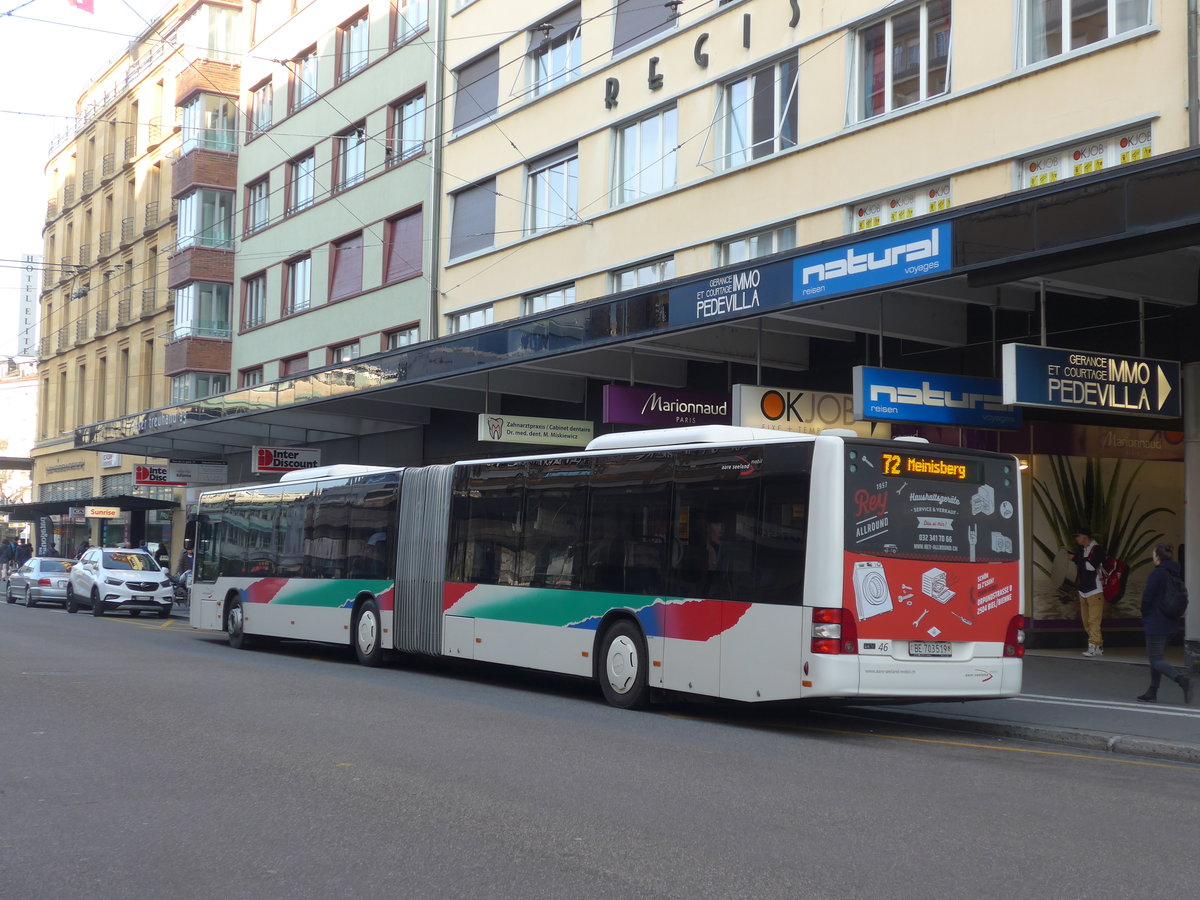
(1164, 601)
(1089, 559)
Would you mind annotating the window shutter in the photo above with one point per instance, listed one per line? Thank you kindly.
(347, 267)
(474, 225)
(478, 90)
(637, 20)
(404, 247)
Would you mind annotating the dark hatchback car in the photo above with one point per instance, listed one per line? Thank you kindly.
(42, 579)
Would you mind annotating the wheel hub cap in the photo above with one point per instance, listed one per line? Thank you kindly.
(367, 631)
(621, 664)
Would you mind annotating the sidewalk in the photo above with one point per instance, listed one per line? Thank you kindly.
(1079, 702)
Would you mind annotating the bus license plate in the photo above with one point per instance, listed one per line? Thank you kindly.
(928, 648)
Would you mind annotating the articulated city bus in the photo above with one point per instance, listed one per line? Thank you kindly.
(729, 562)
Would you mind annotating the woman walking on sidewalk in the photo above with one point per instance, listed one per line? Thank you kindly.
(1158, 627)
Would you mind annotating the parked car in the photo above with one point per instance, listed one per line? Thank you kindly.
(40, 580)
(109, 580)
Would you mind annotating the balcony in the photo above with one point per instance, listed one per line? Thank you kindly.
(69, 195)
(124, 311)
(149, 296)
(202, 167)
(131, 147)
(150, 221)
(154, 132)
(85, 254)
(51, 209)
(89, 181)
(195, 353)
(81, 332)
(106, 244)
(108, 166)
(127, 231)
(101, 320)
(66, 268)
(64, 340)
(199, 264)
(44, 348)
(174, 210)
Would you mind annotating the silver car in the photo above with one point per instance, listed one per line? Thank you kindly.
(42, 579)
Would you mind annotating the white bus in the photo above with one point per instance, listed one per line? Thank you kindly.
(729, 562)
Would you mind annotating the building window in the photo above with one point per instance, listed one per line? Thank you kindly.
(401, 337)
(256, 205)
(555, 52)
(405, 246)
(1087, 157)
(468, 319)
(197, 386)
(298, 285)
(249, 378)
(1043, 35)
(301, 181)
(260, 108)
(752, 246)
(344, 353)
(254, 301)
(352, 46)
(304, 78)
(904, 58)
(646, 156)
(346, 267)
(408, 129)
(202, 310)
(554, 190)
(638, 21)
(474, 219)
(412, 17)
(293, 365)
(477, 91)
(205, 220)
(901, 207)
(351, 150)
(760, 113)
(208, 123)
(552, 299)
(644, 274)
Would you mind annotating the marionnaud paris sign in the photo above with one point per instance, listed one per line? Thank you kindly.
(892, 395)
(1090, 382)
(866, 264)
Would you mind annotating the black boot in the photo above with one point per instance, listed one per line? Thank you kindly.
(1151, 695)
(1186, 683)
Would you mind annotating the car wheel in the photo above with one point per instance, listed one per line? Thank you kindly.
(235, 625)
(134, 613)
(623, 666)
(367, 633)
(70, 605)
(97, 605)
(30, 603)
(8, 595)
(164, 612)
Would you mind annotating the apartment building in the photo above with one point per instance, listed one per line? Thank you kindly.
(109, 322)
(335, 179)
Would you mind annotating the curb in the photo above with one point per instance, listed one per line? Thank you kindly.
(1080, 739)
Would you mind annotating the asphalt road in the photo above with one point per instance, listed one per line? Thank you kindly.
(141, 759)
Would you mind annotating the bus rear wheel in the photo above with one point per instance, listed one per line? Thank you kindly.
(368, 646)
(623, 662)
(235, 625)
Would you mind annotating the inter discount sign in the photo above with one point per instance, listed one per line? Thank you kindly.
(268, 460)
(1091, 382)
(159, 475)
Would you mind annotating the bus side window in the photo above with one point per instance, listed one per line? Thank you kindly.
(629, 521)
(491, 543)
(554, 528)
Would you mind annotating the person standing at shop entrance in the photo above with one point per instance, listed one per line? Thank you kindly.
(1088, 559)
(1159, 627)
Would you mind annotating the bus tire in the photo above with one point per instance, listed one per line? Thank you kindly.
(235, 624)
(368, 632)
(622, 669)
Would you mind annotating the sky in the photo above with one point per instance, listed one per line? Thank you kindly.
(49, 52)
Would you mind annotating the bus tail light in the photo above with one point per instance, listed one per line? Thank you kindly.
(834, 631)
(1014, 638)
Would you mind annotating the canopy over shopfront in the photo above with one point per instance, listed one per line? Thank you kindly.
(42, 514)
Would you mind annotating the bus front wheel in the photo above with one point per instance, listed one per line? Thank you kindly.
(623, 662)
(367, 644)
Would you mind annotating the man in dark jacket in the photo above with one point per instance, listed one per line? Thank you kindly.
(1088, 559)
(1158, 627)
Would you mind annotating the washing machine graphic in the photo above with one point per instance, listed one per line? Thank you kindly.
(871, 589)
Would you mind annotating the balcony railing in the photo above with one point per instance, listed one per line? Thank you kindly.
(101, 321)
(85, 254)
(44, 348)
(81, 332)
(51, 209)
(66, 268)
(108, 166)
(148, 297)
(154, 131)
(106, 244)
(68, 195)
(124, 311)
(64, 340)
(174, 210)
(127, 230)
(89, 181)
(151, 218)
(131, 147)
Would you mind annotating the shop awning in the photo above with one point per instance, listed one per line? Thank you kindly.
(29, 512)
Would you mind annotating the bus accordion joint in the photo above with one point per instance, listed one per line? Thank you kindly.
(1014, 638)
(834, 631)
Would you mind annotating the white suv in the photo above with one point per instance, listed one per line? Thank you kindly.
(108, 580)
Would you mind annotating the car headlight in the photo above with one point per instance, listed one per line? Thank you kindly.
(166, 584)
(114, 581)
